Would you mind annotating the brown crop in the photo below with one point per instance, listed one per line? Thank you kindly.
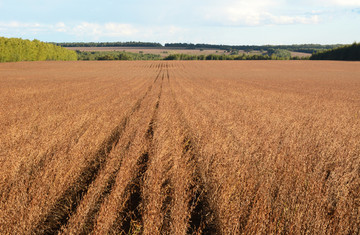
(205, 147)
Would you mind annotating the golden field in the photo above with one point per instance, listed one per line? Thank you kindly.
(181, 147)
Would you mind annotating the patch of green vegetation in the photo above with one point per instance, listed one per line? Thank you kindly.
(16, 49)
(349, 53)
(115, 55)
(277, 56)
(305, 48)
(108, 44)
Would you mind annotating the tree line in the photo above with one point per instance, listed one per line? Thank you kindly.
(115, 55)
(274, 56)
(350, 53)
(16, 49)
(108, 44)
(305, 48)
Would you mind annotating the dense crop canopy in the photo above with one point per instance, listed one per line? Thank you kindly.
(176, 147)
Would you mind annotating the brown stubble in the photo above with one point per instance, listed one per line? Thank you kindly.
(273, 141)
(200, 147)
(52, 169)
(122, 211)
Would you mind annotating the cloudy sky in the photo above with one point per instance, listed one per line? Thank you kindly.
(236, 22)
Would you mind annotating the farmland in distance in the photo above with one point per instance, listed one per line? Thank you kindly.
(158, 147)
(163, 52)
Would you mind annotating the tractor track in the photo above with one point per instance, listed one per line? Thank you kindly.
(243, 220)
(97, 199)
(203, 218)
(129, 220)
(67, 203)
(168, 191)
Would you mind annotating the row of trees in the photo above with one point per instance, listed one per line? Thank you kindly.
(350, 52)
(279, 54)
(229, 57)
(306, 48)
(15, 49)
(115, 55)
(109, 44)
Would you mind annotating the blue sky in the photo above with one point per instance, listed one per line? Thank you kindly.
(235, 22)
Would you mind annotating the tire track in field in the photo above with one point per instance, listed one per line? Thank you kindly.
(68, 202)
(91, 214)
(167, 73)
(158, 75)
(167, 190)
(97, 199)
(203, 218)
(158, 185)
(247, 211)
(129, 220)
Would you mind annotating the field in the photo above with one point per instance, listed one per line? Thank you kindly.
(300, 54)
(199, 147)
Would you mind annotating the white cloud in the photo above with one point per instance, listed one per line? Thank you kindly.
(116, 29)
(258, 18)
(96, 31)
(294, 19)
(255, 13)
(348, 3)
(174, 30)
(84, 29)
(60, 27)
(87, 31)
(329, 3)
(16, 24)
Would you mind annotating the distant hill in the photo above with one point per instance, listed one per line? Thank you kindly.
(350, 53)
(16, 49)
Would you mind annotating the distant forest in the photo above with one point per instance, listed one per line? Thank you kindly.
(277, 54)
(108, 44)
(350, 53)
(15, 49)
(305, 48)
(115, 55)
(271, 54)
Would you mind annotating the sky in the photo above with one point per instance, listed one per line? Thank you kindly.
(230, 22)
